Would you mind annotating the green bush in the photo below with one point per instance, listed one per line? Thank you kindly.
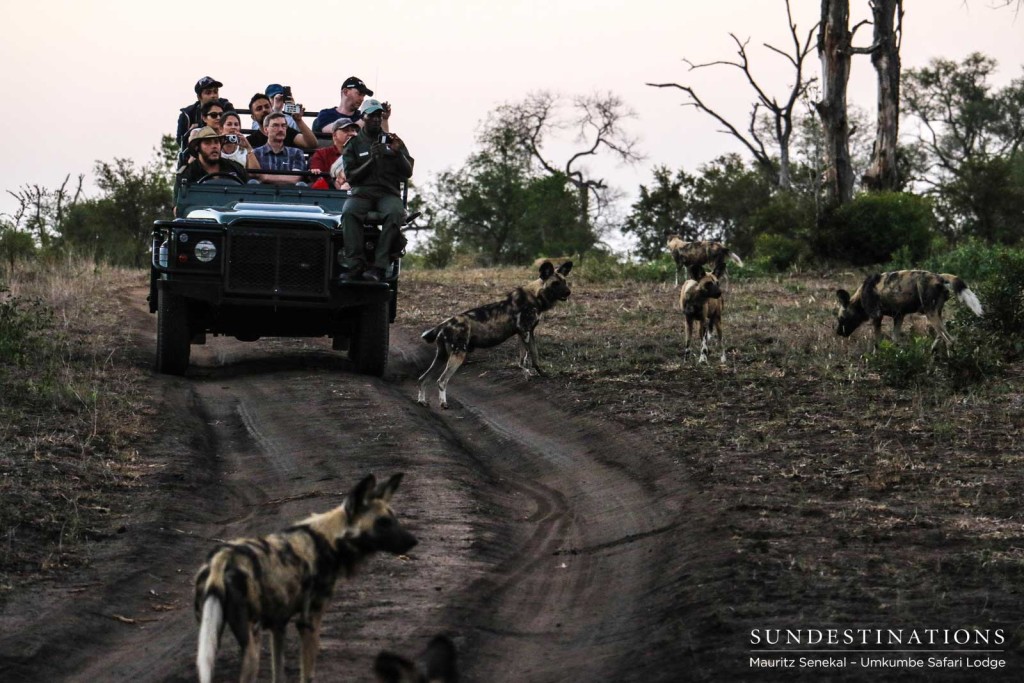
(903, 365)
(874, 227)
(22, 324)
(777, 253)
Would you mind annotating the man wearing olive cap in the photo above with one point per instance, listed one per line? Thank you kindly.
(205, 147)
(376, 170)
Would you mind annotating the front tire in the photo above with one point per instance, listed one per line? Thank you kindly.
(173, 340)
(369, 347)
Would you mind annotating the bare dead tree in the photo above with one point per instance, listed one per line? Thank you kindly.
(598, 124)
(835, 48)
(780, 112)
(41, 211)
(883, 173)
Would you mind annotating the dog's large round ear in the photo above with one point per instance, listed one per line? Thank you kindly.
(441, 659)
(565, 268)
(546, 270)
(843, 296)
(388, 488)
(359, 497)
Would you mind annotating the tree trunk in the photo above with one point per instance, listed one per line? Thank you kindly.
(834, 39)
(883, 174)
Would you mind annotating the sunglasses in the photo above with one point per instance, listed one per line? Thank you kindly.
(215, 114)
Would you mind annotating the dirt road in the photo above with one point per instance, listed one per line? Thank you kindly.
(552, 547)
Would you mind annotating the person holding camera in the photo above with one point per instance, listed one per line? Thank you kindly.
(235, 146)
(353, 92)
(205, 149)
(298, 136)
(376, 164)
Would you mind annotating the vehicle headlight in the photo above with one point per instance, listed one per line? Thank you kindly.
(206, 251)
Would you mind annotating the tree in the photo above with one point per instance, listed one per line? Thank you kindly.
(720, 202)
(598, 123)
(883, 174)
(835, 42)
(971, 137)
(780, 113)
(499, 207)
(41, 211)
(661, 209)
(118, 225)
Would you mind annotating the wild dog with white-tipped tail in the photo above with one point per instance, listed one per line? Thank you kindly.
(491, 324)
(899, 293)
(254, 583)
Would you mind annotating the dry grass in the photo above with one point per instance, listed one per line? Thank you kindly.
(71, 415)
(846, 500)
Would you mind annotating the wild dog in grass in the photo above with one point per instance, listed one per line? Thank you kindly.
(438, 664)
(899, 293)
(701, 301)
(250, 584)
(697, 253)
(491, 324)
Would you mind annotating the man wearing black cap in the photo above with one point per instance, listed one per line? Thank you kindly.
(353, 91)
(205, 148)
(207, 89)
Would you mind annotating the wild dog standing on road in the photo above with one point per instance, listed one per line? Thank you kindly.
(491, 324)
(701, 301)
(439, 664)
(254, 583)
(898, 293)
(687, 254)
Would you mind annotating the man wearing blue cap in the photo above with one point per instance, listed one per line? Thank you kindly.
(376, 164)
(353, 92)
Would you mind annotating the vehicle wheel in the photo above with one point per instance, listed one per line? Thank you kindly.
(172, 334)
(369, 347)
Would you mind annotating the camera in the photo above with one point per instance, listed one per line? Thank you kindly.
(231, 139)
(287, 92)
(291, 108)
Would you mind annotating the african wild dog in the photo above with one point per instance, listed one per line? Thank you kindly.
(491, 324)
(255, 583)
(688, 254)
(438, 664)
(701, 301)
(898, 293)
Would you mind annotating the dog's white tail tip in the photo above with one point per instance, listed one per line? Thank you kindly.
(970, 299)
(209, 636)
(736, 258)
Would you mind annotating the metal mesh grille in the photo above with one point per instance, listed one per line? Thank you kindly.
(278, 262)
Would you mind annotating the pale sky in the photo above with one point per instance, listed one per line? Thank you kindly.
(98, 79)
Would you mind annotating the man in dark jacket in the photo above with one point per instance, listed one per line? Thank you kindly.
(207, 89)
(205, 148)
(376, 164)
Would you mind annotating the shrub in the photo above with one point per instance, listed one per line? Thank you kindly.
(777, 253)
(874, 226)
(905, 364)
(21, 326)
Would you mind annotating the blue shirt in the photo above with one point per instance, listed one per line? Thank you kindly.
(288, 159)
(328, 116)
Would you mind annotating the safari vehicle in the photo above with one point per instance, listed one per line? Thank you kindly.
(251, 261)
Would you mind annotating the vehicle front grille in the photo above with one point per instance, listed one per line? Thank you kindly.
(278, 262)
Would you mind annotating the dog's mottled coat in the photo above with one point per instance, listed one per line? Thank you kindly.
(251, 584)
(701, 301)
(491, 324)
(688, 254)
(898, 294)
